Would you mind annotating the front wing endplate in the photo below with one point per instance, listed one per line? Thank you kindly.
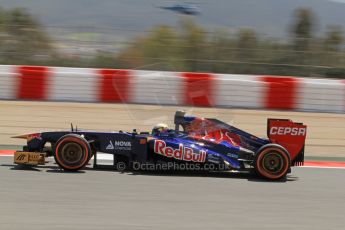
(29, 158)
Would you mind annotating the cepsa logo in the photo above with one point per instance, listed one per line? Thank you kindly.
(182, 153)
(288, 131)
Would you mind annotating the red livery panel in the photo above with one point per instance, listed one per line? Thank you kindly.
(288, 134)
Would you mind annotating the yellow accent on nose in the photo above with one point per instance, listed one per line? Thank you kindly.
(24, 136)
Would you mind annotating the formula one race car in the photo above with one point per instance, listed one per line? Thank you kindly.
(201, 142)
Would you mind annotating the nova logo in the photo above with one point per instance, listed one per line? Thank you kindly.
(110, 146)
(288, 131)
(122, 143)
(21, 157)
(119, 145)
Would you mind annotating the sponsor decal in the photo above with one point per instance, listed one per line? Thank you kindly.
(122, 145)
(110, 146)
(142, 141)
(182, 153)
(33, 158)
(232, 155)
(119, 145)
(213, 159)
(288, 131)
(21, 157)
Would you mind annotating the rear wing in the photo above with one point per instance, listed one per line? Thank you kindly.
(291, 135)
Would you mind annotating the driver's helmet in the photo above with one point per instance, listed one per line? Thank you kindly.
(160, 128)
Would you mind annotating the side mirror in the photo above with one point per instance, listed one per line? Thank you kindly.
(179, 118)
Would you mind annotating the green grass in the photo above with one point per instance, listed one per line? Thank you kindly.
(10, 147)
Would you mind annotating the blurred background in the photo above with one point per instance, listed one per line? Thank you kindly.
(276, 37)
(242, 40)
(299, 38)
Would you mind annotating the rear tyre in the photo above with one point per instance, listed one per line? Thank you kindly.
(272, 162)
(72, 152)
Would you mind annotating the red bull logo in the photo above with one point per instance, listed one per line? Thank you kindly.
(182, 153)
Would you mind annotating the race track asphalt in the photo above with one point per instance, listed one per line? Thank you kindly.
(47, 198)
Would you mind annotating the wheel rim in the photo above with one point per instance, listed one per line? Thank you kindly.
(72, 153)
(273, 163)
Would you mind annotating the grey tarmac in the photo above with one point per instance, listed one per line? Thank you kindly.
(47, 198)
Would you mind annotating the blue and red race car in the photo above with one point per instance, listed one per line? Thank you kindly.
(194, 141)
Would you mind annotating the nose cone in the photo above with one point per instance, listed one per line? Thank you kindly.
(28, 137)
(23, 136)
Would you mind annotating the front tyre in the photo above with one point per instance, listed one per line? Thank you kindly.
(272, 162)
(72, 152)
